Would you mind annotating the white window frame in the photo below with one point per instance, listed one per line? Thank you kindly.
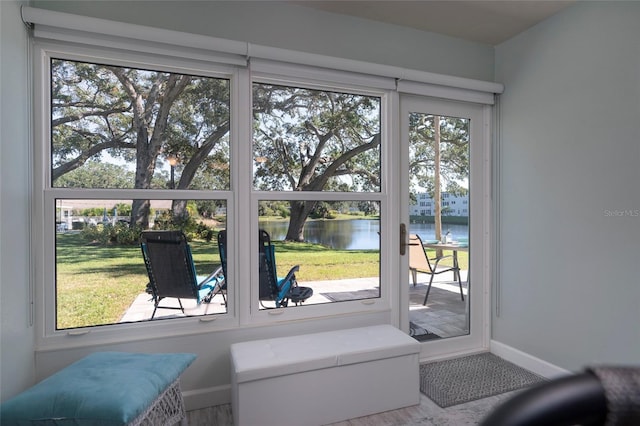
(317, 79)
(242, 305)
(69, 36)
(44, 249)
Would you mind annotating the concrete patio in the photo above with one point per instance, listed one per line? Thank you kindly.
(445, 314)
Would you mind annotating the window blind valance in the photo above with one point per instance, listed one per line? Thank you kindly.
(447, 92)
(113, 34)
(275, 70)
(85, 30)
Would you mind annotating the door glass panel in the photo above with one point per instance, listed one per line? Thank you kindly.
(439, 223)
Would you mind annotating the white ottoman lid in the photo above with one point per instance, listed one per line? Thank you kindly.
(265, 358)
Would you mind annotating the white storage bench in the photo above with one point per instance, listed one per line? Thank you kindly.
(320, 378)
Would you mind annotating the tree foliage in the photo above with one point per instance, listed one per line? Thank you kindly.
(135, 119)
(95, 174)
(439, 158)
(454, 153)
(115, 127)
(313, 140)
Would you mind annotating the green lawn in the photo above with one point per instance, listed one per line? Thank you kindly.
(96, 284)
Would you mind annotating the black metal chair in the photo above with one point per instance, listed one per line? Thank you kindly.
(275, 289)
(172, 273)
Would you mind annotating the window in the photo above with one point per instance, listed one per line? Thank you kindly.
(307, 143)
(131, 150)
(127, 149)
(130, 139)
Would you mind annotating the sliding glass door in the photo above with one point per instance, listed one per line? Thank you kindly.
(444, 232)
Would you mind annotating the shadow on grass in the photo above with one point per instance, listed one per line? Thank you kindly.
(74, 255)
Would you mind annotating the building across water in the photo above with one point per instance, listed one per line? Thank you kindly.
(452, 205)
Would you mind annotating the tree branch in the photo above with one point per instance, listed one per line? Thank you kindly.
(77, 117)
(318, 183)
(85, 155)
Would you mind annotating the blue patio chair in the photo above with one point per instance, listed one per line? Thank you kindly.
(275, 289)
(172, 273)
(222, 250)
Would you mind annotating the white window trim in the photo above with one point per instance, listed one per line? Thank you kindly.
(44, 206)
(321, 79)
(239, 299)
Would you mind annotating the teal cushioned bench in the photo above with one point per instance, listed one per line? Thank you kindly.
(103, 389)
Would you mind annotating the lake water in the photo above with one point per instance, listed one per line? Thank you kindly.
(359, 234)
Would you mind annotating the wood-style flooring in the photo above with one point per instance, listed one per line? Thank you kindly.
(427, 413)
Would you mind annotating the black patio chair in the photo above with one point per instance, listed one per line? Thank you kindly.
(171, 270)
(275, 289)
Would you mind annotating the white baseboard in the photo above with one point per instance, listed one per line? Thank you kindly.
(526, 361)
(207, 397)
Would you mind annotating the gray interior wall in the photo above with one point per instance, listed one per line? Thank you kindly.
(16, 333)
(570, 195)
(273, 23)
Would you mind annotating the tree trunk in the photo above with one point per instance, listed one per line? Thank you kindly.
(179, 207)
(179, 211)
(140, 210)
(148, 148)
(436, 191)
(299, 212)
(145, 167)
